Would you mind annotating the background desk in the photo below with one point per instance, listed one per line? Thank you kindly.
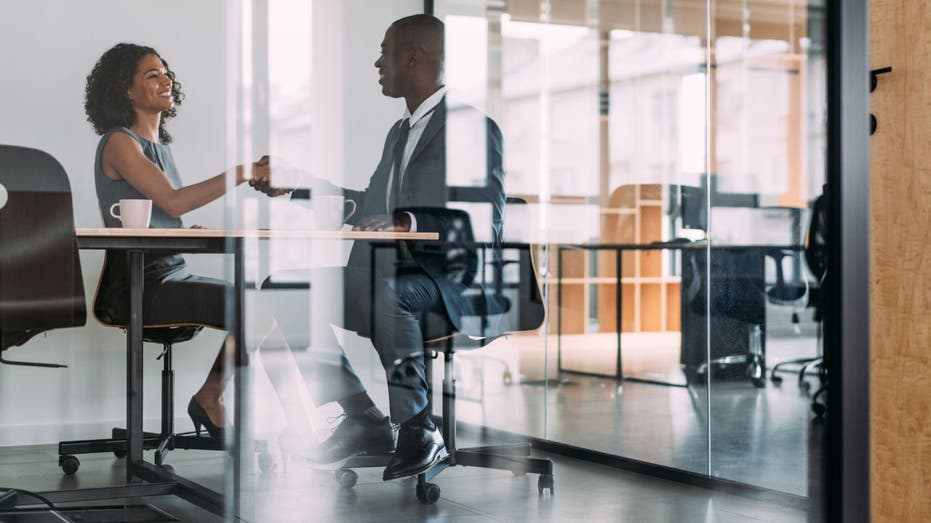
(699, 248)
(136, 242)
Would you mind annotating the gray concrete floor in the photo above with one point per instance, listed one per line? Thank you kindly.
(584, 491)
(758, 436)
(762, 437)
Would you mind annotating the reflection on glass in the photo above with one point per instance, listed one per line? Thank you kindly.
(658, 170)
(767, 120)
(627, 124)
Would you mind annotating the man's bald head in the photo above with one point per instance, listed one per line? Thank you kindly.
(410, 65)
(423, 32)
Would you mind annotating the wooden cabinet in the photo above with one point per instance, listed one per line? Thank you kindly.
(635, 214)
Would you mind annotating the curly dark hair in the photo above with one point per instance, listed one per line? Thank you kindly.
(106, 101)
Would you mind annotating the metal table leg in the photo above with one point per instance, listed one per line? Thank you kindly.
(134, 374)
(618, 290)
(558, 310)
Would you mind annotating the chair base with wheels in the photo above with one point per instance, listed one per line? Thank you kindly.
(162, 441)
(514, 457)
(818, 407)
(804, 363)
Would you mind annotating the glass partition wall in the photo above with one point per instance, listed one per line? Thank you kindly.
(661, 159)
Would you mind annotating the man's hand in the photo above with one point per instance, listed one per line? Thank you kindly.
(262, 178)
(400, 222)
(266, 188)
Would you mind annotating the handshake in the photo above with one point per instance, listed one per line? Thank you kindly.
(261, 179)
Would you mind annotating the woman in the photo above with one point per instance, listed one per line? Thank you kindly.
(130, 95)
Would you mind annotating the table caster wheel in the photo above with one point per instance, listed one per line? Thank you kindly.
(546, 481)
(69, 464)
(346, 478)
(428, 493)
(267, 462)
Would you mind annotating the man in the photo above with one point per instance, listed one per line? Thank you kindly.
(407, 192)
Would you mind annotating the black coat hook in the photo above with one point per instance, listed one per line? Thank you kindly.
(874, 76)
(874, 81)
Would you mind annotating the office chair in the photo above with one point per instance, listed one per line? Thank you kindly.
(790, 293)
(41, 285)
(523, 313)
(799, 293)
(816, 259)
(737, 313)
(164, 440)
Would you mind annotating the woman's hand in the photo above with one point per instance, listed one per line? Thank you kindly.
(258, 172)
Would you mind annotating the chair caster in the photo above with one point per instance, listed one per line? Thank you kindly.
(167, 468)
(507, 378)
(69, 464)
(777, 380)
(818, 410)
(546, 481)
(804, 385)
(347, 479)
(267, 462)
(757, 372)
(120, 454)
(428, 493)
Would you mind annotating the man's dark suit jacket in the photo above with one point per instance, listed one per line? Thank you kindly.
(424, 193)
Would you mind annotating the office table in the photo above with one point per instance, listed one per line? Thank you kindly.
(136, 242)
(618, 248)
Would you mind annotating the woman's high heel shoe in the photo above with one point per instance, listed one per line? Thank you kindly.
(201, 419)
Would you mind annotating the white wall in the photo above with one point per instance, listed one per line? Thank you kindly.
(47, 48)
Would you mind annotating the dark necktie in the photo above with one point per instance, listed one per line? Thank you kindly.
(394, 191)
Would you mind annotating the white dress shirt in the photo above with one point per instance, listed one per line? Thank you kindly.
(418, 122)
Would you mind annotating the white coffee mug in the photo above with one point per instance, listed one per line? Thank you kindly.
(134, 214)
(333, 211)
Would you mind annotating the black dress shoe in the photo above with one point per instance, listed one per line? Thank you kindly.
(356, 435)
(419, 448)
(201, 419)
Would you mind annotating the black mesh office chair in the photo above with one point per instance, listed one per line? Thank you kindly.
(816, 259)
(520, 303)
(737, 309)
(164, 440)
(792, 292)
(797, 292)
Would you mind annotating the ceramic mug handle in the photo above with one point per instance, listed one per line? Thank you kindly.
(353, 211)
